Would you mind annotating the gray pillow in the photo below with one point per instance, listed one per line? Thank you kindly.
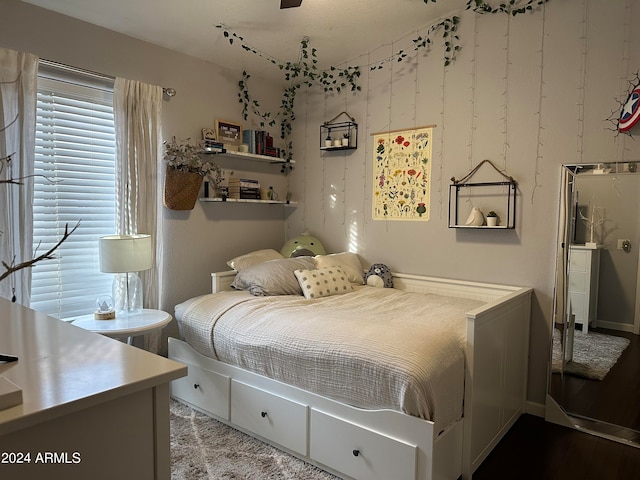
(253, 258)
(274, 277)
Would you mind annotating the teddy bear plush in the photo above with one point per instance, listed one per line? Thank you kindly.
(379, 275)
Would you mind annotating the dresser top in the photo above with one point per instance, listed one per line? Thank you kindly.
(63, 368)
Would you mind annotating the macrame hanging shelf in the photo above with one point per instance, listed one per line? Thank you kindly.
(469, 201)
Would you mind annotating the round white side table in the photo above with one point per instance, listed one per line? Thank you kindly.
(125, 325)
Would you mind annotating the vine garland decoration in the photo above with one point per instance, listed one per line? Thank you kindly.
(513, 7)
(335, 79)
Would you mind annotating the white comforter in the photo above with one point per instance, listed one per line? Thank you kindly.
(372, 348)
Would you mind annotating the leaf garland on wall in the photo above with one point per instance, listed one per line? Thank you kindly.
(336, 79)
(513, 7)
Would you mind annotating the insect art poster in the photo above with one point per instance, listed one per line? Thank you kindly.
(402, 175)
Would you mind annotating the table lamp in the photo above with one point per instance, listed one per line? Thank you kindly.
(125, 255)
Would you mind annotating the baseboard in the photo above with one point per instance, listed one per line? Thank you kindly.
(534, 408)
(622, 327)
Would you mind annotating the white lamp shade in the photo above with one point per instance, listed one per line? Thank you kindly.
(125, 253)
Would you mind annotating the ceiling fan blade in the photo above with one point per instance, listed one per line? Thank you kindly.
(290, 3)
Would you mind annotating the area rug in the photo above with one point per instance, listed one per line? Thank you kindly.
(205, 449)
(593, 354)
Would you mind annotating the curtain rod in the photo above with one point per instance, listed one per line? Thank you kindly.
(168, 91)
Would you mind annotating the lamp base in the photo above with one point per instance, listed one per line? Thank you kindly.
(127, 293)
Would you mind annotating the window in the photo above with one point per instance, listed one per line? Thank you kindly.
(75, 182)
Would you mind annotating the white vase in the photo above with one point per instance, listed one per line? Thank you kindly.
(345, 142)
(492, 221)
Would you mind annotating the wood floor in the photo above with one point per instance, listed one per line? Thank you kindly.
(615, 399)
(537, 450)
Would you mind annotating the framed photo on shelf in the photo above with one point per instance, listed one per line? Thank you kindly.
(229, 132)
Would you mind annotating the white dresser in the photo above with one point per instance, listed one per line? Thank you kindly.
(584, 269)
(93, 407)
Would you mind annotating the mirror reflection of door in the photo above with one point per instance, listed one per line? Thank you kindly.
(596, 347)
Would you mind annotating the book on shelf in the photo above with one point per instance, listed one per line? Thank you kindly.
(212, 146)
(249, 193)
(260, 142)
(244, 182)
(244, 188)
(245, 197)
(249, 138)
(272, 152)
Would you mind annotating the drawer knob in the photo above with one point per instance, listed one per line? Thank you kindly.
(356, 452)
(196, 385)
(263, 414)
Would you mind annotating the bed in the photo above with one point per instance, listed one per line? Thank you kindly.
(412, 418)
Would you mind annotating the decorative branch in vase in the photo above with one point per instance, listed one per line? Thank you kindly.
(12, 267)
(596, 219)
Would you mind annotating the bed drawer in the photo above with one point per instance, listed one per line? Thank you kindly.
(359, 452)
(270, 416)
(204, 389)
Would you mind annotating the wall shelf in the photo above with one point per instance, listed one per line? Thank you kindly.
(341, 147)
(250, 156)
(483, 227)
(246, 200)
(497, 196)
(339, 135)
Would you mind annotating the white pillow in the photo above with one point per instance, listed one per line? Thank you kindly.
(349, 262)
(323, 282)
(253, 258)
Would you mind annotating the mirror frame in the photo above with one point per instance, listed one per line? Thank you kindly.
(555, 412)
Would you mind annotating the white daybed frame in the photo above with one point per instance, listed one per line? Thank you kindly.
(380, 444)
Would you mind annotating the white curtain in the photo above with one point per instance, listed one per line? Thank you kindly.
(18, 91)
(137, 113)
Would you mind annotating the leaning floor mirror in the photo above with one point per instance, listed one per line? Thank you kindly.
(594, 377)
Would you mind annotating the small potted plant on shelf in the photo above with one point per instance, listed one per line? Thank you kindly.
(345, 140)
(492, 219)
(328, 141)
(185, 171)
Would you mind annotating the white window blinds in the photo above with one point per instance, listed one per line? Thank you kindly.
(75, 181)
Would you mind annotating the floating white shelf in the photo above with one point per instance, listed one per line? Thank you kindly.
(246, 200)
(252, 157)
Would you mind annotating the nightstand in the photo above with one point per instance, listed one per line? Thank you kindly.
(584, 270)
(125, 325)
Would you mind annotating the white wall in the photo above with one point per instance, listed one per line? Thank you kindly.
(199, 241)
(529, 93)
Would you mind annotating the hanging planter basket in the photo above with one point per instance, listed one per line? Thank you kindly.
(181, 189)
